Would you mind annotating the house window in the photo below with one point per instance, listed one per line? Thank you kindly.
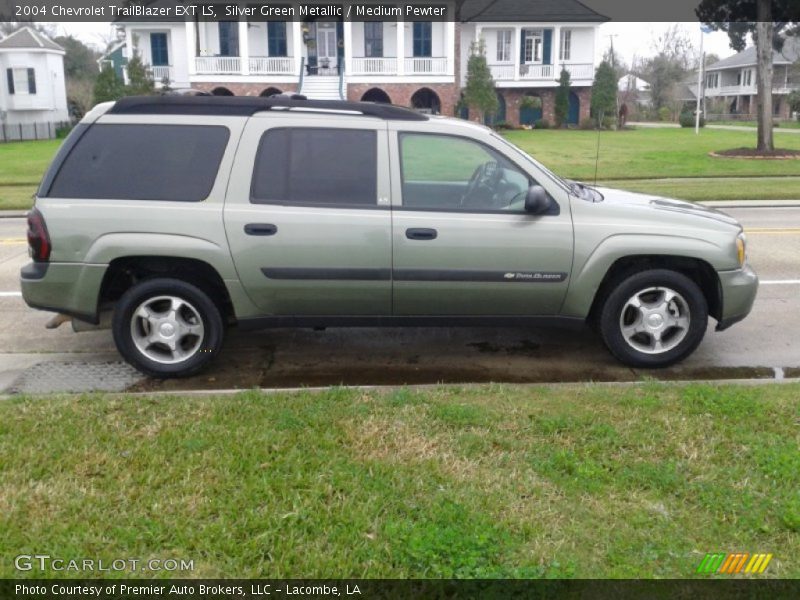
(21, 81)
(533, 46)
(422, 38)
(712, 80)
(504, 45)
(373, 39)
(159, 53)
(565, 49)
(276, 38)
(748, 78)
(228, 38)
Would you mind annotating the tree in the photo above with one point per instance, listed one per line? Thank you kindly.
(562, 98)
(108, 86)
(765, 20)
(80, 61)
(604, 91)
(479, 92)
(140, 80)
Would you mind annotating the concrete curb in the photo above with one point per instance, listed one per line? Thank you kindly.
(13, 214)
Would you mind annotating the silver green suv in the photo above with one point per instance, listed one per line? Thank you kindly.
(174, 218)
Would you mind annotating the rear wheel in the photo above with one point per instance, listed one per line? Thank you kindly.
(167, 328)
(654, 318)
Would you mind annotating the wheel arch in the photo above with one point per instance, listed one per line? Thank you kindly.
(696, 269)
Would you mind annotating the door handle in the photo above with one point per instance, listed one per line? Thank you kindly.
(421, 233)
(260, 229)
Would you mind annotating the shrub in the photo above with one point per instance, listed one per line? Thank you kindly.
(664, 114)
(609, 123)
(587, 123)
(542, 124)
(686, 119)
(62, 131)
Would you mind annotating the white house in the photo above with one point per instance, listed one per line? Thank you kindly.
(733, 80)
(414, 63)
(33, 95)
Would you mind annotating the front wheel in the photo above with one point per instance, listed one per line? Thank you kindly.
(167, 328)
(654, 318)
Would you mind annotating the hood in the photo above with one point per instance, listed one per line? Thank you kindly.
(644, 201)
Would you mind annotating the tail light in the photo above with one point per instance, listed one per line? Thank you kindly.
(38, 238)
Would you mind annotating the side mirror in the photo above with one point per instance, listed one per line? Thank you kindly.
(537, 201)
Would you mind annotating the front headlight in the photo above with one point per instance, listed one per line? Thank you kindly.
(741, 249)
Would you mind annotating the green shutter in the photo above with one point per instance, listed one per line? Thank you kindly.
(546, 46)
(10, 76)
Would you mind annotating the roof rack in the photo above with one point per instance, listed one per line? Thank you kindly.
(243, 106)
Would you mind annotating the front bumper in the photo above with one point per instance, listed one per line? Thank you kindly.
(739, 289)
(69, 288)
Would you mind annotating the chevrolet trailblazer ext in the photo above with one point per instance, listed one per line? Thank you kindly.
(185, 215)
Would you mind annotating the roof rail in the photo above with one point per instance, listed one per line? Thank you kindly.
(247, 106)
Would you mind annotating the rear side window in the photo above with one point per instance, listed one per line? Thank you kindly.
(143, 162)
(316, 166)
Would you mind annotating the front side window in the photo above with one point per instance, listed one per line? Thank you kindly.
(373, 39)
(142, 162)
(21, 82)
(504, 45)
(450, 173)
(316, 166)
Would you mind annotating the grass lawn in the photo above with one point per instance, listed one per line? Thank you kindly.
(628, 159)
(783, 124)
(580, 481)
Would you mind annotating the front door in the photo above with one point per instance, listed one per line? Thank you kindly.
(462, 243)
(327, 48)
(307, 216)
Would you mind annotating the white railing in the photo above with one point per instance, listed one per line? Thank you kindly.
(373, 66)
(271, 65)
(218, 65)
(579, 70)
(162, 72)
(536, 72)
(426, 65)
(502, 72)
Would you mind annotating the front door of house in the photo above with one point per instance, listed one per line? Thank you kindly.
(326, 46)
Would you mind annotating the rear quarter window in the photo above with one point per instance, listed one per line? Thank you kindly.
(142, 162)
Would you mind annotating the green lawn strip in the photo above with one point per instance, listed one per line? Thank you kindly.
(736, 188)
(16, 197)
(25, 162)
(650, 153)
(782, 125)
(584, 481)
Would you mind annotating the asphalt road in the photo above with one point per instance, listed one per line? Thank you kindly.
(768, 339)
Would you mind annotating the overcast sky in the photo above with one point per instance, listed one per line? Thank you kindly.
(631, 39)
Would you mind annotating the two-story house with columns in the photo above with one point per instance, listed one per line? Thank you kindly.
(422, 64)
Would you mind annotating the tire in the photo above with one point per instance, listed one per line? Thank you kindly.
(653, 318)
(167, 328)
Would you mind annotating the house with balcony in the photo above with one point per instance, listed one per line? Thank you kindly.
(33, 97)
(732, 81)
(422, 64)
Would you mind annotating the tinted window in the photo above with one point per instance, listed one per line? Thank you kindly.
(316, 166)
(142, 162)
(451, 173)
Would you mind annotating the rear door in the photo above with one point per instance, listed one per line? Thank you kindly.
(307, 215)
(462, 242)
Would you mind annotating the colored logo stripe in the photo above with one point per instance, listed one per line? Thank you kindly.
(734, 563)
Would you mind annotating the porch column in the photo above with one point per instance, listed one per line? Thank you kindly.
(191, 47)
(244, 49)
(348, 46)
(401, 47)
(297, 46)
(517, 50)
(478, 32)
(555, 51)
(450, 46)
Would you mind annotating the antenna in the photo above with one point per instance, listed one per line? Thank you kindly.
(597, 151)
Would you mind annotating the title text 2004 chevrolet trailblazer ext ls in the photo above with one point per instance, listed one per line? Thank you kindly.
(188, 214)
